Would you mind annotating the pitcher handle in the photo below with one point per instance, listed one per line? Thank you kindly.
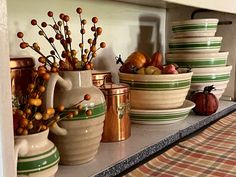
(20, 148)
(49, 96)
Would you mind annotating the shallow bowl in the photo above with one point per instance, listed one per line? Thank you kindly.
(198, 60)
(165, 116)
(200, 44)
(165, 91)
(194, 28)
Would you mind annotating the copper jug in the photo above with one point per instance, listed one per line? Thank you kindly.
(21, 76)
(117, 122)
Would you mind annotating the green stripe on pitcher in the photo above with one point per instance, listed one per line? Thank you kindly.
(97, 111)
(174, 85)
(37, 163)
(209, 78)
(199, 63)
(191, 27)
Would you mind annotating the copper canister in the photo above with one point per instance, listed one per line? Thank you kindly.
(21, 75)
(117, 122)
(99, 77)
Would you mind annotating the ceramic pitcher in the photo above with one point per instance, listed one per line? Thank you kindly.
(35, 155)
(77, 139)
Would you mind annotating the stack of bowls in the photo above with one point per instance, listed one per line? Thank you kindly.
(195, 45)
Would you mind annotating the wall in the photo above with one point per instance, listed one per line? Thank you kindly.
(126, 27)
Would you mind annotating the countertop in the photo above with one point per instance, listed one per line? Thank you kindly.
(146, 140)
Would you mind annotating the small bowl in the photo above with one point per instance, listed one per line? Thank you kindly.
(194, 28)
(198, 60)
(218, 76)
(201, 44)
(165, 91)
(165, 116)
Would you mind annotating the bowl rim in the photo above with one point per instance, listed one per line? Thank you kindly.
(187, 105)
(194, 21)
(151, 78)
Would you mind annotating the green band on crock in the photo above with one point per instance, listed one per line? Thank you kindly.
(192, 45)
(159, 86)
(210, 78)
(191, 27)
(29, 164)
(158, 117)
(199, 63)
(97, 111)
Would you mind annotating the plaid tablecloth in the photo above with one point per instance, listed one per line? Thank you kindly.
(212, 152)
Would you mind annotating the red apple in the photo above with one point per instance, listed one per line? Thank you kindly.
(169, 69)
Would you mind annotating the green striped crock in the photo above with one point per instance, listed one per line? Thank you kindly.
(97, 111)
(161, 116)
(37, 163)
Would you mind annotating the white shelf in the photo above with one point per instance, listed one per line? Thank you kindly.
(228, 6)
(143, 141)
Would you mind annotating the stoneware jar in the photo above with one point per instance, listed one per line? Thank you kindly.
(77, 139)
(35, 155)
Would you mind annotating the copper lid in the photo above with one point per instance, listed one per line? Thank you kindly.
(21, 63)
(100, 74)
(114, 89)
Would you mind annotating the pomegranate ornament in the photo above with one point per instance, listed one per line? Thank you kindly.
(206, 102)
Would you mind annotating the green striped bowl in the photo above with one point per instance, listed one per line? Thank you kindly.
(165, 116)
(200, 44)
(218, 76)
(198, 60)
(163, 91)
(194, 28)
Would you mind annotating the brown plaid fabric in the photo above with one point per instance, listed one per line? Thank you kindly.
(212, 152)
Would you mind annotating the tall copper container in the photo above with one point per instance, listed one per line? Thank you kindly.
(99, 77)
(21, 75)
(117, 122)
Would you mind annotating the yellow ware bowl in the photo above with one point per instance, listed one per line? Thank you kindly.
(194, 28)
(163, 91)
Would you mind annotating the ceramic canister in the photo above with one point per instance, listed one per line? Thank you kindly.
(117, 122)
(99, 77)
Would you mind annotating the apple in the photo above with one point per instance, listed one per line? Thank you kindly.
(169, 69)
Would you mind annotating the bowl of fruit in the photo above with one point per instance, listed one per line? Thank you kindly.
(194, 27)
(153, 85)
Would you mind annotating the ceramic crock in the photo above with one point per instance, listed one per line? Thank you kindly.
(77, 139)
(36, 155)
